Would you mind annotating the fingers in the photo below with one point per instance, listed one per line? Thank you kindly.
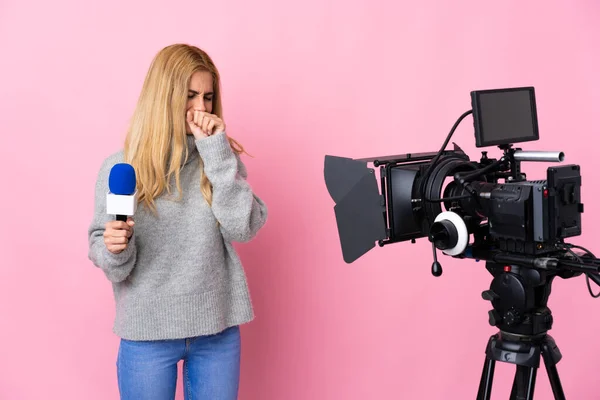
(210, 126)
(198, 117)
(197, 122)
(203, 120)
(119, 229)
(117, 235)
(116, 240)
(216, 125)
(116, 249)
(189, 118)
(118, 225)
(116, 244)
(207, 123)
(130, 222)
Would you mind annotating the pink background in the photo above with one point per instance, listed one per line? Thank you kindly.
(301, 80)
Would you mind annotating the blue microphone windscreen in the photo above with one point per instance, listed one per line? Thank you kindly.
(121, 179)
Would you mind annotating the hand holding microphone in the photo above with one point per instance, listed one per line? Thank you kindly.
(117, 235)
(121, 201)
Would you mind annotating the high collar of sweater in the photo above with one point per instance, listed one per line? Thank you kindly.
(192, 150)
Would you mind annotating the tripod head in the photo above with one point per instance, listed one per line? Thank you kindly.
(519, 297)
(522, 285)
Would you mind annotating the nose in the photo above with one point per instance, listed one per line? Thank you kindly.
(198, 102)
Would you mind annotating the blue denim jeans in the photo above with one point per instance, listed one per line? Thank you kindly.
(147, 370)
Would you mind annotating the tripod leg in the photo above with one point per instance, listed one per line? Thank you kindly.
(487, 376)
(524, 383)
(550, 363)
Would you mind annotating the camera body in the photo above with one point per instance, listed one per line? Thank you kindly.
(516, 215)
(422, 194)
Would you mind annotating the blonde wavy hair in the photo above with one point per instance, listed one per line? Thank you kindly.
(156, 139)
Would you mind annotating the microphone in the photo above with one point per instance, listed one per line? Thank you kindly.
(121, 199)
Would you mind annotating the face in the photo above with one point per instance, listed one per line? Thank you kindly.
(200, 93)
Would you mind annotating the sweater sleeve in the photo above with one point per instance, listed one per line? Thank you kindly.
(239, 211)
(116, 267)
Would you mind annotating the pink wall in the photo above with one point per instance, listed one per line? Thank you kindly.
(354, 78)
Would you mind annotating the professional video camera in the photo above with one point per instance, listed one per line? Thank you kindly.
(491, 213)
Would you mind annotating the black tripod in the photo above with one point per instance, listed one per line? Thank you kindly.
(519, 297)
(525, 353)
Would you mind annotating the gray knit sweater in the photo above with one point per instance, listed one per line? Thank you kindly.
(180, 276)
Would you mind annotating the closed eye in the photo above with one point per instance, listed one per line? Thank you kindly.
(207, 96)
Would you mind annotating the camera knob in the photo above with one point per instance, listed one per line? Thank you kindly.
(495, 318)
(512, 317)
(489, 295)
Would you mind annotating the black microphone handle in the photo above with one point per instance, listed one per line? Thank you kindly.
(122, 218)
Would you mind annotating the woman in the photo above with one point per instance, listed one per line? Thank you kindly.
(179, 286)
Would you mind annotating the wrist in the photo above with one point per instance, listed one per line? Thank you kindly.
(199, 135)
(215, 149)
